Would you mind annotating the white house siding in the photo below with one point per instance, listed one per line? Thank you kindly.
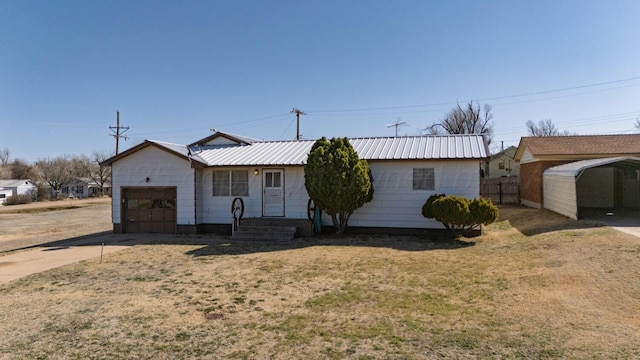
(217, 209)
(163, 170)
(527, 157)
(559, 195)
(4, 194)
(395, 204)
(296, 197)
(595, 188)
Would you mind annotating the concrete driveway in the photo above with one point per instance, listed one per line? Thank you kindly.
(45, 235)
(17, 264)
(625, 220)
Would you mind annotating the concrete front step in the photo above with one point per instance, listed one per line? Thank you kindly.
(263, 232)
(302, 226)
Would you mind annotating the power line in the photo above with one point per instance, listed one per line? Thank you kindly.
(481, 99)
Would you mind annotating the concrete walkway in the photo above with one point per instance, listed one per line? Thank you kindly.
(45, 257)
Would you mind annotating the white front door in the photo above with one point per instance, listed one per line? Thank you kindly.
(273, 192)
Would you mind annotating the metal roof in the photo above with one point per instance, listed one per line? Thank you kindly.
(176, 148)
(226, 135)
(574, 169)
(428, 147)
(11, 183)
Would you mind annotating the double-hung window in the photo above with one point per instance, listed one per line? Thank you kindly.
(424, 179)
(231, 183)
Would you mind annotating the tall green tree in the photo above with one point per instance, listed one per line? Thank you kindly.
(337, 180)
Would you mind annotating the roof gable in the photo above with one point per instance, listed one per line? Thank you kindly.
(175, 149)
(580, 145)
(220, 138)
(508, 153)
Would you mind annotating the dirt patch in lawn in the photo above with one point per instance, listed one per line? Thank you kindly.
(569, 290)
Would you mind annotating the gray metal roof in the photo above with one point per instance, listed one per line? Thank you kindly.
(11, 183)
(428, 147)
(177, 148)
(576, 168)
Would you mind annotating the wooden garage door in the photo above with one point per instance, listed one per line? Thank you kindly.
(149, 210)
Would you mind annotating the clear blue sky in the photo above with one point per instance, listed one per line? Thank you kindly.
(175, 69)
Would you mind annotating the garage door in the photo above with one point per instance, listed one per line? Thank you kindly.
(149, 210)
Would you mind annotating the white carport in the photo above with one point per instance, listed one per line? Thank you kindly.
(596, 183)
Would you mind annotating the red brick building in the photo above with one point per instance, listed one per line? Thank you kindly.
(536, 154)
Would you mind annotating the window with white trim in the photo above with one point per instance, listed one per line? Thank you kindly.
(231, 183)
(424, 179)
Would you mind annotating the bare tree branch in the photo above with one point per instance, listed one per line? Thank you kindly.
(545, 127)
(4, 157)
(470, 119)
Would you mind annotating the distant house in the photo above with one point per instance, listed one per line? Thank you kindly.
(502, 164)
(565, 173)
(165, 187)
(15, 187)
(82, 188)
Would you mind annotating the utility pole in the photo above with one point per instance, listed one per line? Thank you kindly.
(397, 124)
(117, 131)
(298, 112)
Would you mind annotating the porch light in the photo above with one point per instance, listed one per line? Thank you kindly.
(256, 172)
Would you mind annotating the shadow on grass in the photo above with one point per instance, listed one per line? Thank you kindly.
(26, 244)
(529, 221)
(402, 243)
(214, 245)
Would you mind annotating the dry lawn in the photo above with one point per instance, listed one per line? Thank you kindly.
(535, 286)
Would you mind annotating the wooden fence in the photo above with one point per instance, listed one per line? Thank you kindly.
(502, 190)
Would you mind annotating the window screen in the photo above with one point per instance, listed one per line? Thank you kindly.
(240, 183)
(424, 179)
(231, 183)
(221, 183)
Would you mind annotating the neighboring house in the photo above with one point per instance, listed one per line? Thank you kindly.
(608, 177)
(82, 188)
(502, 164)
(163, 187)
(4, 194)
(15, 187)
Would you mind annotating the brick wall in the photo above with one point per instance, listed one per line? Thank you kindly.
(531, 179)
